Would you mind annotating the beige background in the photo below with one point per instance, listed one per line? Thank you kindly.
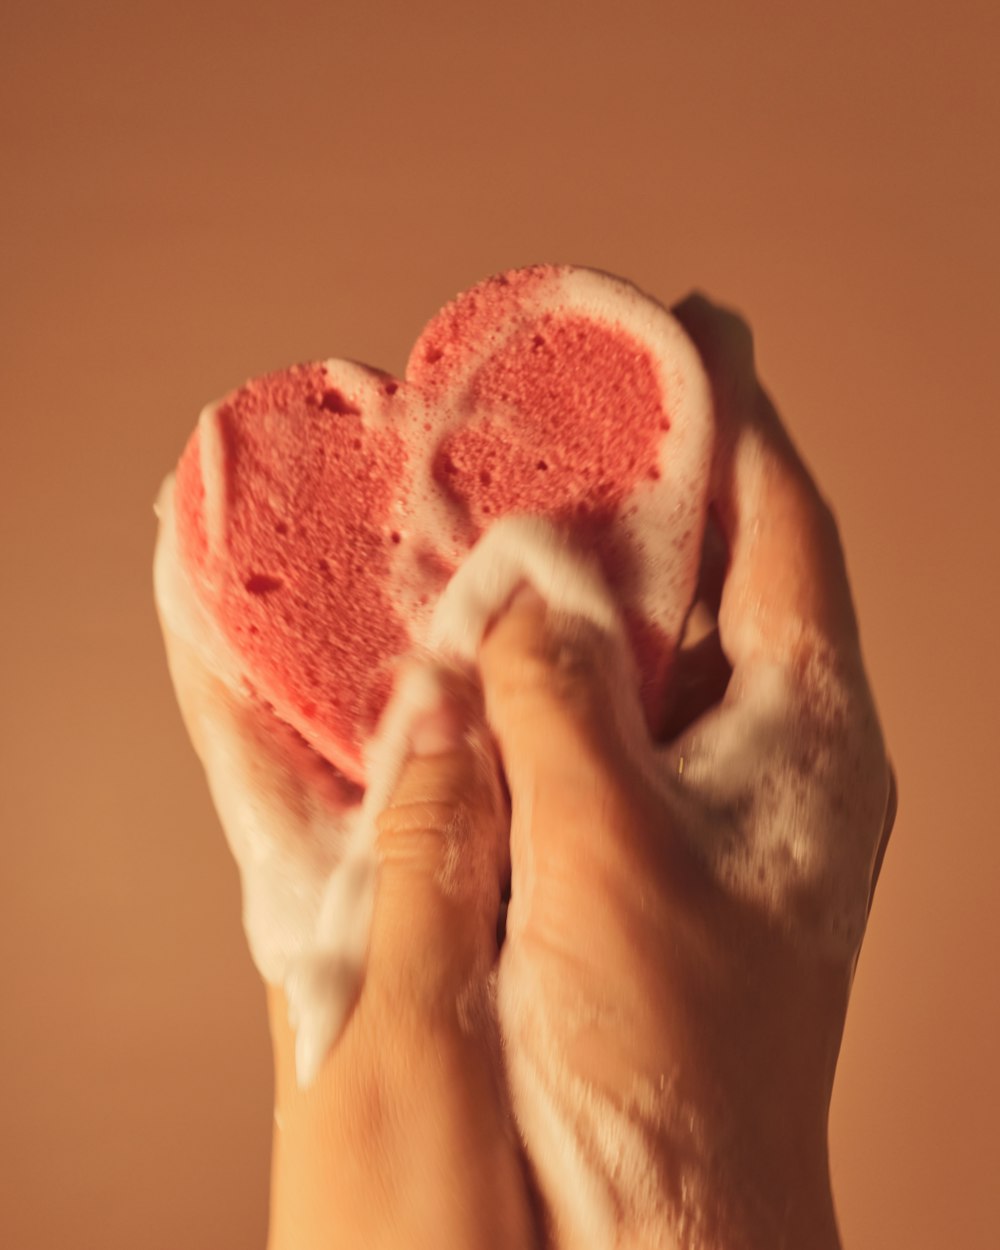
(196, 193)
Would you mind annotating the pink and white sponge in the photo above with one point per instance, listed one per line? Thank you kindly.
(553, 424)
(322, 510)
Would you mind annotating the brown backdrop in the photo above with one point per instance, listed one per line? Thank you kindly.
(193, 193)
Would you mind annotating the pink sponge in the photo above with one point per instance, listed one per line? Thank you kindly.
(321, 510)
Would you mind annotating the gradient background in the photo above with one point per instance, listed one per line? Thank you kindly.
(196, 193)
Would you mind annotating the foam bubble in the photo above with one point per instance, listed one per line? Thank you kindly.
(779, 794)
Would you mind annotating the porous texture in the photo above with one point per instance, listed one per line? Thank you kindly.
(321, 510)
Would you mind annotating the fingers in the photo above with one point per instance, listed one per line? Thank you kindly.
(561, 712)
(545, 699)
(787, 580)
(442, 857)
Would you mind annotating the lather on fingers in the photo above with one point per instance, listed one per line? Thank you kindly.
(442, 856)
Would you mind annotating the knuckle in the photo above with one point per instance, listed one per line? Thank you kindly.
(416, 819)
(415, 834)
(559, 682)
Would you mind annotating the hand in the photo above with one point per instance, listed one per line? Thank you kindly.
(684, 920)
(406, 1138)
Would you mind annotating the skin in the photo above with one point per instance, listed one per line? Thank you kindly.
(649, 1003)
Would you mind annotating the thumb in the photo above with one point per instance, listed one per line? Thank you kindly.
(559, 693)
(442, 855)
(568, 722)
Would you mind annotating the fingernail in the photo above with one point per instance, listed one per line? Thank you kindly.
(438, 731)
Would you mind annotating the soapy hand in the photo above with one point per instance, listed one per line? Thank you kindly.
(647, 1060)
(685, 919)
(405, 1136)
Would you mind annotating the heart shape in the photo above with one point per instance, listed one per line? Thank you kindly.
(321, 510)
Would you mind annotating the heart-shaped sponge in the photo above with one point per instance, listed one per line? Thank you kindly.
(321, 510)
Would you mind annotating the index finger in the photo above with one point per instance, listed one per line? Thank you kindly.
(787, 579)
(794, 756)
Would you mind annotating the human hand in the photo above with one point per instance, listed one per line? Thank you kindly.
(685, 920)
(406, 1136)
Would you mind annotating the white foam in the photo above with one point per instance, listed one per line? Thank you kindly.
(780, 797)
